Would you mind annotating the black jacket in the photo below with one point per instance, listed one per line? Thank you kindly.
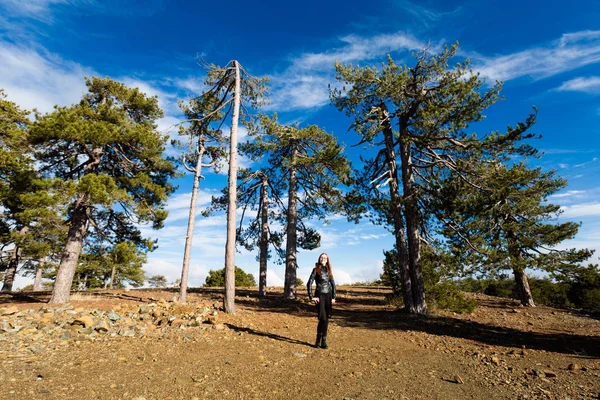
(324, 282)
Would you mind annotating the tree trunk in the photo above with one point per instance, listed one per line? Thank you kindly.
(187, 253)
(396, 204)
(411, 213)
(289, 289)
(523, 288)
(264, 238)
(519, 270)
(11, 271)
(113, 275)
(70, 255)
(37, 282)
(229, 298)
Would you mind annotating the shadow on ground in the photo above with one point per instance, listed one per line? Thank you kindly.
(267, 334)
(358, 312)
(364, 310)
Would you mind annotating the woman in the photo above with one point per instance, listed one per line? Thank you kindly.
(324, 296)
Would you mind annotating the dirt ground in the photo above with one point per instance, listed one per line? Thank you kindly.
(264, 351)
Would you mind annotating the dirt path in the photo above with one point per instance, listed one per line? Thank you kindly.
(264, 351)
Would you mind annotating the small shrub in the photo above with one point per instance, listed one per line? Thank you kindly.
(217, 278)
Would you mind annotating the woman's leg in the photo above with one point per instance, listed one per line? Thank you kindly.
(324, 313)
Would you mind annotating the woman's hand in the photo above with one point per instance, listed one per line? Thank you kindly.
(315, 299)
(332, 301)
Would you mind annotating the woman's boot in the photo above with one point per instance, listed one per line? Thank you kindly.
(324, 342)
(318, 342)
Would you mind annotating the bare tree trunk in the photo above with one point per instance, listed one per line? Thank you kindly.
(229, 298)
(37, 282)
(70, 255)
(396, 204)
(264, 238)
(11, 271)
(523, 288)
(289, 289)
(521, 280)
(113, 275)
(190, 229)
(411, 213)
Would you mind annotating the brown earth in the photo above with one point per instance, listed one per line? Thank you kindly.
(144, 347)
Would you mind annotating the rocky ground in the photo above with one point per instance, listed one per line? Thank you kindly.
(143, 345)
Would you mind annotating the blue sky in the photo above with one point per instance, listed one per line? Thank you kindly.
(547, 54)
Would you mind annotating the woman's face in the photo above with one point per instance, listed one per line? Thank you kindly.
(323, 259)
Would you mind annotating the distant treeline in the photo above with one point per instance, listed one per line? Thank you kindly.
(580, 291)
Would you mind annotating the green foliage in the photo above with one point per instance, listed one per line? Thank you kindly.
(575, 287)
(298, 160)
(442, 290)
(505, 225)
(299, 282)
(107, 152)
(217, 278)
(157, 281)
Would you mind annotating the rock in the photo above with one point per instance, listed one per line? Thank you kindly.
(177, 322)
(495, 360)
(85, 320)
(549, 374)
(299, 355)
(65, 336)
(102, 327)
(219, 327)
(211, 320)
(574, 367)
(9, 311)
(113, 316)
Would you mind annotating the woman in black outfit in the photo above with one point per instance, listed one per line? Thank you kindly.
(324, 296)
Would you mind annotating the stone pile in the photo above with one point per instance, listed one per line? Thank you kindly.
(36, 329)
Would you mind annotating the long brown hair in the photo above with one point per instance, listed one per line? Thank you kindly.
(318, 265)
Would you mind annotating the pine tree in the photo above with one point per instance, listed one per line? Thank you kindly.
(418, 116)
(508, 223)
(310, 164)
(108, 154)
(255, 193)
(204, 141)
(232, 91)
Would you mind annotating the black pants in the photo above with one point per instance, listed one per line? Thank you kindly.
(324, 310)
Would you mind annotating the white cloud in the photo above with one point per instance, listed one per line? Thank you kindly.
(571, 51)
(304, 84)
(36, 9)
(569, 193)
(580, 210)
(588, 85)
(34, 78)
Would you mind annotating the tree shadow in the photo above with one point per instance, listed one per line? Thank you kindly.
(355, 313)
(267, 334)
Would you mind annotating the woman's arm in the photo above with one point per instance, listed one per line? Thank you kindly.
(333, 292)
(310, 282)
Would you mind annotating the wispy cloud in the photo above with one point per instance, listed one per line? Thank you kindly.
(304, 84)
(571, 51)
(569, 193)
(423, 13)
(581, 210)
(588, 85)
(34, 78)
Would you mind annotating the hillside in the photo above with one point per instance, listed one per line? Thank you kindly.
(140, 345)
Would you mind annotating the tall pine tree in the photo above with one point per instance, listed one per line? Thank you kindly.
(109, 155)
